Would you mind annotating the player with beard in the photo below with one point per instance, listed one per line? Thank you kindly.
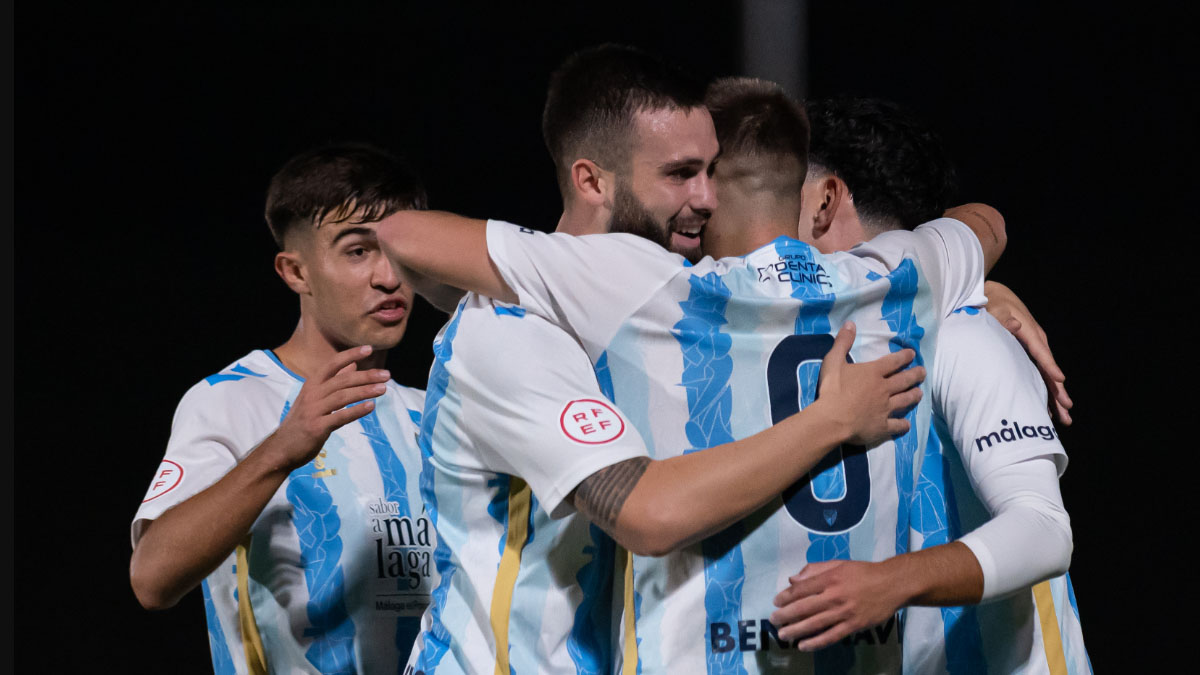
(516, 441)
(649, 279)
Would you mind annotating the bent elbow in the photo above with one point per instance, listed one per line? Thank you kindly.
(652, 531)
(150, 595)
(1063, 549)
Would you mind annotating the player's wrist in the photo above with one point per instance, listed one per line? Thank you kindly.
(827, 424)
(905, 581)
(281, 453)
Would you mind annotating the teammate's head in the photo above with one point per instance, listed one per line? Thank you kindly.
(322, 208)
(764, 155)
(632, 144)
(872, 167)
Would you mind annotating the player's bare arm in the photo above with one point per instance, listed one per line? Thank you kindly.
(988, 226)
(437, 246)
(827, 601)
(1016, 317)
(186, 543)
(654, 507)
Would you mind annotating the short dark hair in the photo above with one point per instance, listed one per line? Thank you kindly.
(756, 118)
(345, 180)
(593, 97)
(896, 168)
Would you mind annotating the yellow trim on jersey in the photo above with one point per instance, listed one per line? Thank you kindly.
(510, 563)
(1056, 659)
(256, 657)
(629, 666)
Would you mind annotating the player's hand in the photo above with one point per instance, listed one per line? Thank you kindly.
(1008, 309)
(827, 601)
(864, 396)
(321, 405)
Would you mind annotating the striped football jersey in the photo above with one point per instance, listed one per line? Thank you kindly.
(698, 356)
(989, 411)
(338, 568)
(514, 420)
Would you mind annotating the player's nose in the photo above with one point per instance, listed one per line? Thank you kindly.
(704, 194)
(385, 275)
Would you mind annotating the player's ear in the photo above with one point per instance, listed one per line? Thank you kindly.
(590, 183)
(290, 268)
(830, 193)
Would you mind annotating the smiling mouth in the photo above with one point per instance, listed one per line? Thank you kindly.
(691, 234)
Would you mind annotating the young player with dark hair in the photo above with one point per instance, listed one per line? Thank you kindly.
(289, 487)
(989, 476)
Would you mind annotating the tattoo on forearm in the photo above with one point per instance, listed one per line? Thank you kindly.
(601, 495)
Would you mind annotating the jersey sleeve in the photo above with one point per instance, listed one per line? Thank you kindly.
(585, 285)
(210, 434)
(1028, 537)
(538, 413)
(993, 404)
(991, 397)
(950, 255)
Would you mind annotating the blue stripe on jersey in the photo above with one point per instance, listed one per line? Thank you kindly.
(707, 367)
(588, 642)
(898, 314)
(813, 319)
(243, 370)
(415, 416)
(240, 370)
(222, 661)
(436, 640)
(935, 516)
(497, 507)
(395, 489)
(604, 375)
(221, 377)
(505, 310)
(317, 524)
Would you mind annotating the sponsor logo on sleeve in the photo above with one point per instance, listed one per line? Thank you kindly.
(590, 421)
(168, 477)
(1015, 432)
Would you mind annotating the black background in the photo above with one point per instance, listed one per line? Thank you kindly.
(146, 135)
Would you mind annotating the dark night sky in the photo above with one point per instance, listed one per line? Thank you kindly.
(145, 139)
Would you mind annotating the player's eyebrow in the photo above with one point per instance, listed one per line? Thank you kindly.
(365, 231)
(688, 163)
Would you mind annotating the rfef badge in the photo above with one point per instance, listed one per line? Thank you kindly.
(591, 422)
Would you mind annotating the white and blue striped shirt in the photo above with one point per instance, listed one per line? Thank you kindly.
(697, 356)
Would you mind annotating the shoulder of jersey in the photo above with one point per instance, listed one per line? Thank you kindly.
(254, 372)
(974, 327)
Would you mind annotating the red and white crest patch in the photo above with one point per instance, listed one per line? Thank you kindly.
(592, 422)
(168, 477)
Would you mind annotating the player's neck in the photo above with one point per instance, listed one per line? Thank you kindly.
(749, 235)
(309, 349)
(580, 219)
